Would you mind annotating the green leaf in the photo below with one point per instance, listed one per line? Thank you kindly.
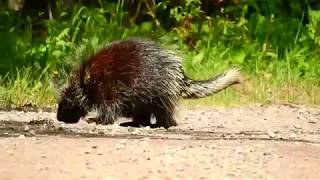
(198, 58)
(205, 27)
(314, 17)
(77, 16)
(64, 33)
(146, 26)
(57, 53)
(238, 57)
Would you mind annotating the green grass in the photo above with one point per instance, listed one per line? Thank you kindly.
(278, 56)
(258, 90)
(24, 90)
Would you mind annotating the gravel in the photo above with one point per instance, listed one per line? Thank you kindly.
(271, 142)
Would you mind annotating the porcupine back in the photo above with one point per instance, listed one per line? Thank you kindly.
(131, 70)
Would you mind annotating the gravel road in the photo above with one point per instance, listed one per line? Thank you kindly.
(256, 142)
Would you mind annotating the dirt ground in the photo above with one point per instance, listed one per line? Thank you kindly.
(271, 142)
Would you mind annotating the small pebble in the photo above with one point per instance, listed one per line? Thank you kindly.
(180, 168)
(26, 128)
(212, 146)
(271, 134)
(292, 135)
(21, 136)
(100, 132)
(238, 150)
(266, 153)
(11, 152)
(87, 151)
(119, 146)
(39, 166)
(64, 171)
(297, 127)
(32, 132)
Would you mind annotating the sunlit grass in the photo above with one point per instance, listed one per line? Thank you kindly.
(23, 89)
(262, 92)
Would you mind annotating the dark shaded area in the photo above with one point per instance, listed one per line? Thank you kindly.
(38, 128)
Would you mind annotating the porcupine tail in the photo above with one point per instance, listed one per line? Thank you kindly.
(199, 89)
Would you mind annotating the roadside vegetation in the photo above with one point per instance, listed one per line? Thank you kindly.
(274, 43)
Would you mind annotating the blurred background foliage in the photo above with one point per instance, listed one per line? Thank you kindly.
(274, 42)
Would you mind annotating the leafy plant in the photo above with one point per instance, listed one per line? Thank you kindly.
(274, 43)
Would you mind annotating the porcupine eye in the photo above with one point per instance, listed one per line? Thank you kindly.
(69, 113)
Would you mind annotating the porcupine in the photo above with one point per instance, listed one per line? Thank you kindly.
(134, 78)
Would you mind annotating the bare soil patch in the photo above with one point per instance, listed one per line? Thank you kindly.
(272, 142)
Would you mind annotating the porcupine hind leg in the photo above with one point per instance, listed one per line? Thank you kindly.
(141, 114)
(164, 110)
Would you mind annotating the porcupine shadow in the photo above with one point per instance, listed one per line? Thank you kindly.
(135, 79)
